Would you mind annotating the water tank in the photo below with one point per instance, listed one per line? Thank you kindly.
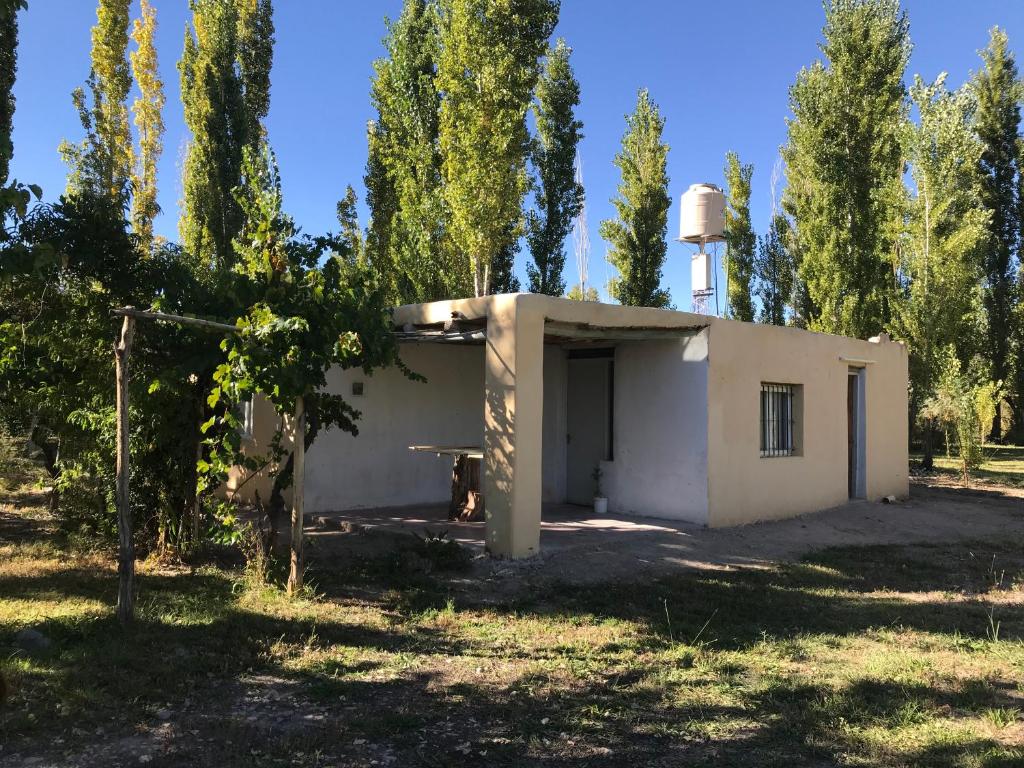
(702, 214)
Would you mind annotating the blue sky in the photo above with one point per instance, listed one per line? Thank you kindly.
(720, 72)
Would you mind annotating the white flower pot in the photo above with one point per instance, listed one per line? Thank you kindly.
(600, 505)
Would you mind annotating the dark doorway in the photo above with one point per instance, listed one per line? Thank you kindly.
(856, 485)
(588, 419)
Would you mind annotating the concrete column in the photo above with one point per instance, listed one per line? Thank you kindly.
(513, 426)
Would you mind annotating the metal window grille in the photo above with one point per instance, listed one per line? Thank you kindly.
(777, 420)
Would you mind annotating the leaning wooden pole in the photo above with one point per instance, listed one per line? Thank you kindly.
(126, 544)
(298, 492)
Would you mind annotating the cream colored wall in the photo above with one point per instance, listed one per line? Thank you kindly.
(513, 425)
(742, 486)
(243, 486)
(376, 468)
(659, 455)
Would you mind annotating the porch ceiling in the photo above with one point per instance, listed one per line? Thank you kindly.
(555, 332)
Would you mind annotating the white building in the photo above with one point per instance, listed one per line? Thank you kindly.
(689, 417)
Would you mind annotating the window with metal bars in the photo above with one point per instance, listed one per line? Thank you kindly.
(777, 420)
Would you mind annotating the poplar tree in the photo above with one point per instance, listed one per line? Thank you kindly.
(774, 272)
(844, 166)
(739, 238)
(225, 90)
(488, 67)
(406, 238)
(947, 227)
(350, 234)
(8, 70)
(559, 198)
(149, 122)
(578, 294)
(503, 277)
(638, 236)
(998, 91)
(102, 163)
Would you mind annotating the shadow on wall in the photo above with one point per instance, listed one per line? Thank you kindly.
(499, 446)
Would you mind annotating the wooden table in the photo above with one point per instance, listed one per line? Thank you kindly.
(467, 502)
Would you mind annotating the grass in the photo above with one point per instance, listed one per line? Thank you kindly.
(1004, 465)
(869, 656)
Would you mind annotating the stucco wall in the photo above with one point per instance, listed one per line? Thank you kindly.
(240, 485)
(659, 460)
(376, 468)
(742, 486)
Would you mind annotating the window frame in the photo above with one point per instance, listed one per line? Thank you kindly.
(778, 425)
(246, 418)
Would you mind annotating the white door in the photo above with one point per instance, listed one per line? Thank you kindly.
(588, 424)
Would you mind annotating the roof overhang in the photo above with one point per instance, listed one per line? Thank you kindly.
(556, 331)
(465, 321)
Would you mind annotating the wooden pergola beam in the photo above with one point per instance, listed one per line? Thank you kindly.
(195, 322)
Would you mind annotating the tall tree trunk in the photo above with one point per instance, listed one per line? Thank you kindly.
(284, 476)
(996, 433)
(298, 566)
(51, 454)
(928, 445)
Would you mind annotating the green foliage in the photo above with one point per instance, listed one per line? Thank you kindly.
(963, 401)
(147, 108)
(225, 90)
(8, 71)
(774, 272)
(637, 236)
(61, 271)
(998, 91)
(503, 277)
(102, 163)
(487, 69)
(16, 465)
(348, 220)
(946, 230)
(309, 307)
(844, 167)
(577, 294)
(740, 238)
(559, 198)
(407, 245)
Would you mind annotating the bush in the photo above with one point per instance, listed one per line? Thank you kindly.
(963, 402)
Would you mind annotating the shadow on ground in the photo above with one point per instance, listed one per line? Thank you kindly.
(388, 667)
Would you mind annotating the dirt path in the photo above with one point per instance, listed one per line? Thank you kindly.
(576, 548)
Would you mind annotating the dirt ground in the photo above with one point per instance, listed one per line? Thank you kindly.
(627, 641)
(579, 548)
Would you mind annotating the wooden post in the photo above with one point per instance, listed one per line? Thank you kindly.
(197, 503)
(298, 482)
(126, 544)
(197, 511)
